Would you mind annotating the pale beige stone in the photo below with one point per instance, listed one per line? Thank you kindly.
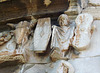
(61, 37)
(94, 47)
(31, 56)
(60, 66)
(84, 3)
(94, 2)
(47, 2)
(82, 36)
(42, 35)
(8, 52)
(94, 11)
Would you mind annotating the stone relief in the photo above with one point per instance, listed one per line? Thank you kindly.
(83, 31)
(61, 37)
(27, 45)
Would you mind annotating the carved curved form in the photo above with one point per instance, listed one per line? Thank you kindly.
(8, 52)
(83, 31)
(61, 37)
(5, 37)
(23, 29)
(62, 66)
(16, 48)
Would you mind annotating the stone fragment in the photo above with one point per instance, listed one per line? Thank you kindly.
(86, 65)
(94, 2)
(93, 49)
(42, 35)
(60, 66)
(72, 10)
(61, 37)
(8, 52)
(15, 48)
(30, 56)
(21, 32)
(82, 36)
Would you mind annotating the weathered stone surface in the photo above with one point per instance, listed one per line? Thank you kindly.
(60, 66)
(8, 52)
(16, 48)
(42, 35)
(94, 47)
(94, 11)
(5, 37)
(72, 10)
(61, 37)
(86, 65)
(32, 57)
(84, 3)
(94, 2)
(82, 32)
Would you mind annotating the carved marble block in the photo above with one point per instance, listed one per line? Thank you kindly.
(61, 37)
(42, 35)
(82, 32)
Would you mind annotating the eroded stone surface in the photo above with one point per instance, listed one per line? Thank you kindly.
(84, 3)
(94, 11)
(94, 2)
(8, 52)
(93, 49)
(82, 32)
(42, 35)
(61, 37)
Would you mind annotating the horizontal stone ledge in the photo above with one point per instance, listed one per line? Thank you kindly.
(95, 11)
(94, 2)
(15, 9)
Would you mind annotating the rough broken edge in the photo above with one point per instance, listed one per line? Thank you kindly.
(18, 57)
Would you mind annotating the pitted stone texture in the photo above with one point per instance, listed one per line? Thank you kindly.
(86, 65)
(94, 11)
(82, 32)
(94, 2)
(84, 3)
(94, 48)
